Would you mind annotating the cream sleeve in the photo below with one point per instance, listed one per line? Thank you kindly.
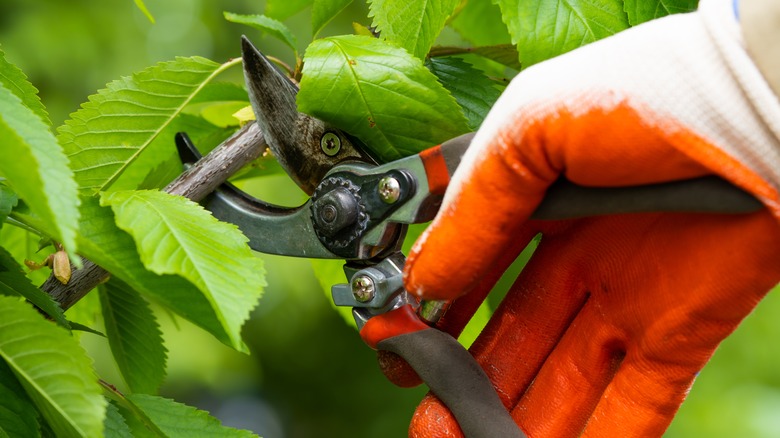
(760, 20)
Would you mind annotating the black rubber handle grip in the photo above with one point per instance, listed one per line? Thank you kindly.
(457, 380)
(566, 200)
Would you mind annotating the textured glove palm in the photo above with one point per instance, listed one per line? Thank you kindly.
(606, 328)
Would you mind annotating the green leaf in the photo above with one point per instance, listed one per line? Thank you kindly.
(479, 22)
(39, 171)
(474, 91)
(268, 25)
(322, 11)
(378, 93)
(53, 369)
(282, 9)
(114, 425)
(138, 429)
(13, 282)
(219, 91)
(140, 4)
(134, 336)
(206, 136)
(22, 245)
(178, 420)
(163, 174)
(8, 201)
(543, 28)
(118, 124)
(17, 413)
(75, 326)
(104, 243)
(14, 79)
(640, 11)
(411, 25)
(160, 163)
(220, 114)
(475, 325)
(177, 236)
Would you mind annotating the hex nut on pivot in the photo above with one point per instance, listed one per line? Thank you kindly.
(335, 210)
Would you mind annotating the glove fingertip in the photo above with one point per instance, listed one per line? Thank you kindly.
(397, 370)
(433, 420)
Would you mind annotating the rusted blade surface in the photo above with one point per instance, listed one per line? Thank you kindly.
(305, 147)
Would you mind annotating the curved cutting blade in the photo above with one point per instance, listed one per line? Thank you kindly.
(306, 147)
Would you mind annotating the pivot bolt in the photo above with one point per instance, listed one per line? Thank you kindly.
(330, 144)
(335, 211)
(389, 190)
(363, 288)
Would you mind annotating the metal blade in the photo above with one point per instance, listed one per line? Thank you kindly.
(306, 147)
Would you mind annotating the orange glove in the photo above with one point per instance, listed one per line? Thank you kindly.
(606, 328)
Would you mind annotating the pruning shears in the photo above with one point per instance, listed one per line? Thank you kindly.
(359, 211)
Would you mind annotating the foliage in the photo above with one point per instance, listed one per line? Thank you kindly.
(395, 103)
(416, 74)
(134, 336)
(121, 135)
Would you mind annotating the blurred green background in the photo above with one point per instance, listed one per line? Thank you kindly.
(309, 373)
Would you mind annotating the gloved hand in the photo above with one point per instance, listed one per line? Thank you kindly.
(609, 323)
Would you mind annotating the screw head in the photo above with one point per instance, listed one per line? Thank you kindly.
(329, 214)
(330, 144)
(389, 189)
(363, 288)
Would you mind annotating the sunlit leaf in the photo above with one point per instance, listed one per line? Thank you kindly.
(18, 416)
(362, 30)
(543, 29)
(273, 27)
(115, 425)
(13, 282)
(413, 25)
(220, 114)
(244, 114)
(177, 236)
(140, 4)
(322, 11)
(38, 171)
(111, 131)
(113, 249)
(134, 336)
(53, 369)
(475, 325)
(640, 11)
(177, 420)
(378, 93)
(474, 92)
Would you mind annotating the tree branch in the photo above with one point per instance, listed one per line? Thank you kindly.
(196, 183)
